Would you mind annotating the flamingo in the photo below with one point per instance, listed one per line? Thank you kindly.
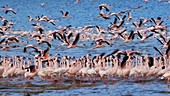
(109, 67)
(61, 70)
(127, 68)
(164, 65)
(144, 36)
(134, 71)
(115, 63)
(41, 73)
(138, 26)
(74, 69)
(128, 38)
(7, 10)
(144, 67)
(166, 42)
(20, 70)
(2, 66)
(30, 18)
(153, 69)
(65, 14)
(102, 72)
(99, 43)
(1, 70)
(30, 72)
(11, 70)
(166, 75)
(91, 71)
(74, 44)
(104, 6)
(84, 70)
(103, 15)
(44, 40)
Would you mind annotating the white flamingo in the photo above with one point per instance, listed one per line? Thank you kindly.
(41, 73)
(11, 70)
(30, 72)
(20, 70)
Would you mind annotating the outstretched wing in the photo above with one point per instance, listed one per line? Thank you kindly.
(76, 39)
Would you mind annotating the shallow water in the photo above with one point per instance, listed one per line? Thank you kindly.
(154, 87)
(86, 13)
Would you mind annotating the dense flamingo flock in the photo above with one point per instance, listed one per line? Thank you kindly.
(122, 63)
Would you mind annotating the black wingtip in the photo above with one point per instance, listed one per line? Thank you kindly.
(69, 35)
(65, 39)
(45, 51)
(131, 34)
(76, 39)
(140, 23)
(100, 7)
(123, 63)
(115, 21)
(124, 17)
(25, 49)
(49, 45)
(41, 30)
(102, 54)
(121, 24)
(153, 20)
(62, 12)
(107, 9)
(160, 41)
(3, 40)
(158, 50)
(139, 34)
(149, 35)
